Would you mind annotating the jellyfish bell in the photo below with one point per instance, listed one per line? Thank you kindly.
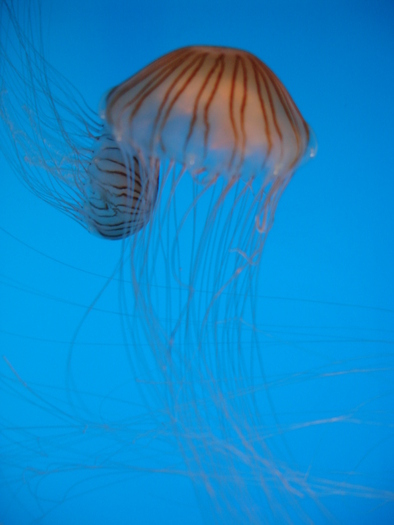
(213, 110)
(119, 196)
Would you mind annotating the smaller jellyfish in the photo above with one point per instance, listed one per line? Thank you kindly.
(119, 198)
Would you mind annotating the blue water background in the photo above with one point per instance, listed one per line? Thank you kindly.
(327, 285)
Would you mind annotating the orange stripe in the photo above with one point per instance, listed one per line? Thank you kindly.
(206, 110)
(243, 106)
(263, 109)
(194, 117)
(231, 107)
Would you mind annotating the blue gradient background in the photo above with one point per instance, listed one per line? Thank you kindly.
(327, 285)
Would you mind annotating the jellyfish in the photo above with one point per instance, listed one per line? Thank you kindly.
(119, 199)
(228, 138)
(185, 165)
